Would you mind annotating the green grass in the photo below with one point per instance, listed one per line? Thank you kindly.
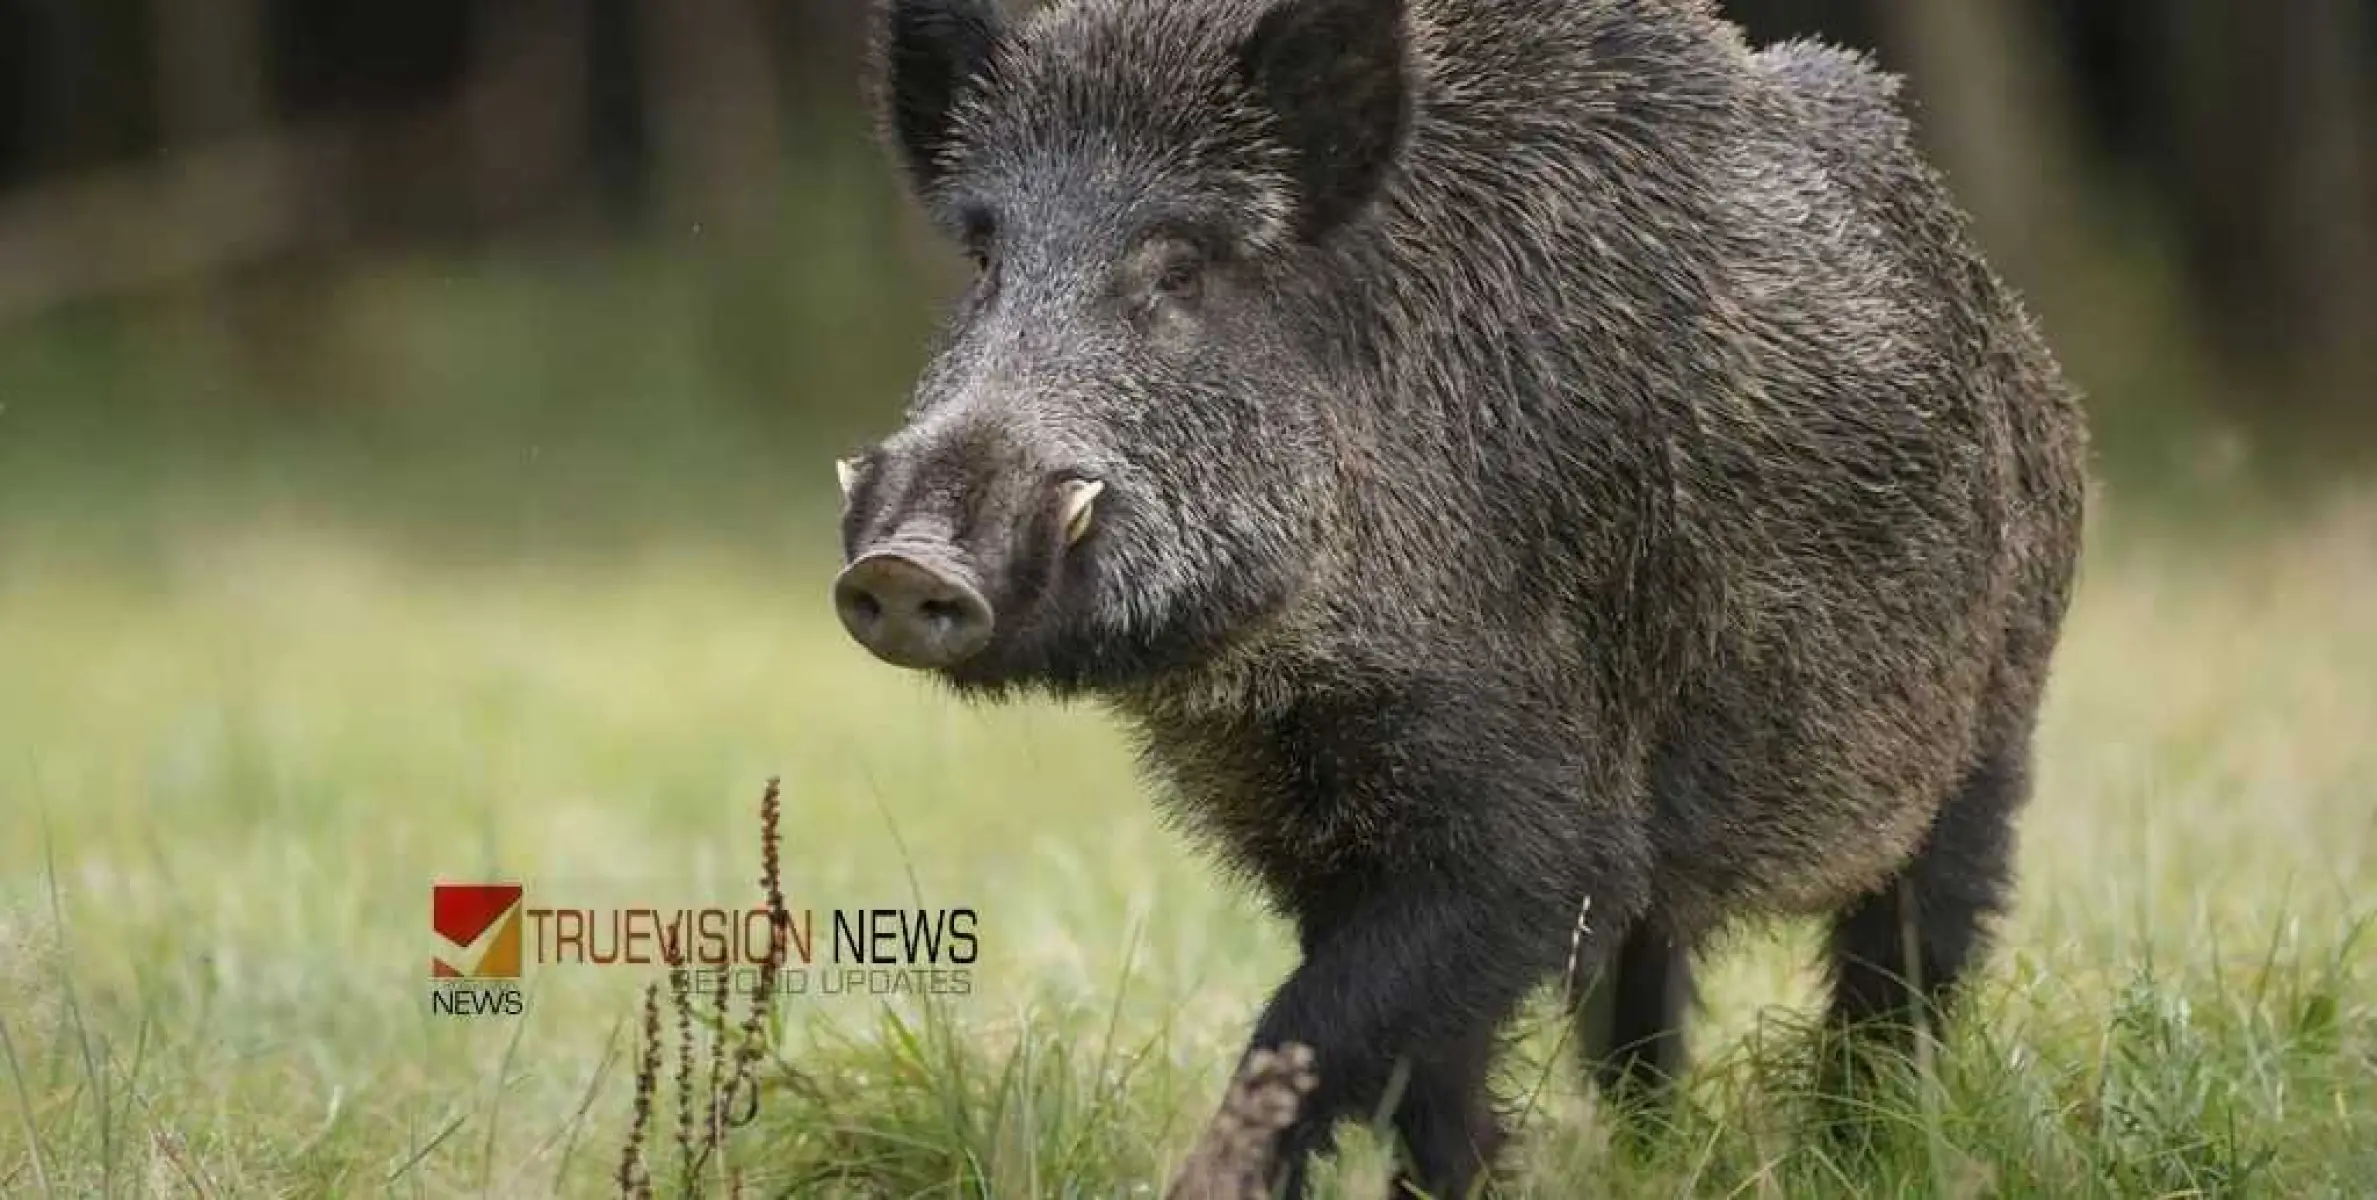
(229, 771)
(521, 574)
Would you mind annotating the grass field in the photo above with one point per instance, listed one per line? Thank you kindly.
(230, 768)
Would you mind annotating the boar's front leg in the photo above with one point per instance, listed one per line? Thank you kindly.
(1411, 969)
(1405, 994)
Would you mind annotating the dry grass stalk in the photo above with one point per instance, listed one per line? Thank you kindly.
(635, 1178)
(739, 1102)
(729, 1097)
(681, 997)
(1576, 951)
(717, 1117)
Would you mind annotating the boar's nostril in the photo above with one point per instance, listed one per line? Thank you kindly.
(912, 610)
(944, 614)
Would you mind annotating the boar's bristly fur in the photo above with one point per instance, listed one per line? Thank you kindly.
(1502, 459)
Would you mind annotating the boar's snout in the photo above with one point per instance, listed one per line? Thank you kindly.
(912, 607)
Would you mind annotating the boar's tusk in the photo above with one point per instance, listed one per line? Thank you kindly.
(846, 472)
(1081, 497)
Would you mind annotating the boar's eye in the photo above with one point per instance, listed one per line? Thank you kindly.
(1180, 278)
(979, 231)
(1172, 270)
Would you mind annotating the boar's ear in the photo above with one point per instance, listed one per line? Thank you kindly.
(929, 50)
(1335, 76)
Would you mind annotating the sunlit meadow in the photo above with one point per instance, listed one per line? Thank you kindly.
(241, 732)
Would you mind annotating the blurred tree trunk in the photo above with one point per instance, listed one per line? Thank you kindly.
(828, 50)
(619, 145)
(88, 99)
(2273, 107)
(1995, 110)
(717, 145)
(718, 150)
(524, 106)
(212, 79)
(212, 89)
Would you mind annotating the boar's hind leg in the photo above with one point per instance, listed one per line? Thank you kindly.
(1938, 907)
(1630, 1021)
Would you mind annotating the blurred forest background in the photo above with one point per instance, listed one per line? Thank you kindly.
(562, 258)
(415, 429)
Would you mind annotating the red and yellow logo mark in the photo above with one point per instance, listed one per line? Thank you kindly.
(482, 922)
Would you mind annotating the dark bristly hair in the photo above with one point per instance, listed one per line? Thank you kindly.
(1493, 456)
